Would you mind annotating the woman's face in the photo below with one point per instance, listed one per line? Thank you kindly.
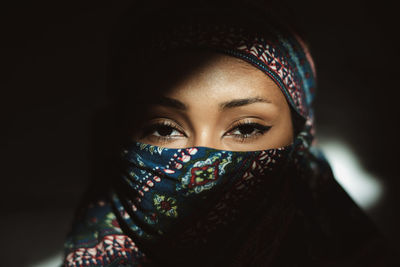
(225, 104)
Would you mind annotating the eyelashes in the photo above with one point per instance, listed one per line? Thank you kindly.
(166, 131)
(247, 130)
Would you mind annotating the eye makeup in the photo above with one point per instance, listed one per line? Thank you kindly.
(245, 131)
(165, 131)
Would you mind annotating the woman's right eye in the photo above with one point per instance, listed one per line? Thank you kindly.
(164, 130)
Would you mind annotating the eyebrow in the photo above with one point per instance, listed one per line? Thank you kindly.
(242, 102)
(173, 103)
(170, 102)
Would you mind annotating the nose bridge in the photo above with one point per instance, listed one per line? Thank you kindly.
(205, 135)
(204, 123)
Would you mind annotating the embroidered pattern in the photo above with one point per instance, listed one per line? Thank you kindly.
(165, 205)
(108, 249)
(204, 174)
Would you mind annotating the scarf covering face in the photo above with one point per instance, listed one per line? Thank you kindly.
(200, 206)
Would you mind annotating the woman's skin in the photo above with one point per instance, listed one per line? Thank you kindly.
(225, 104)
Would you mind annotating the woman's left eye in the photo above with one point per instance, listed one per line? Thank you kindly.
(248, 130)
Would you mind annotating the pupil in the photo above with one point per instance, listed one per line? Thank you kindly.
(164, 130)
(246, 129)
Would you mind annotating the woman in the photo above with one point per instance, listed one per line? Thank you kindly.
(217, 168)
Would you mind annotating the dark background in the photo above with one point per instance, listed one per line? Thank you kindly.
(53, 81)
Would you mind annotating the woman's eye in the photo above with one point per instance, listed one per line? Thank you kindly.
(162, 131)
(248, 130)
(245, 130)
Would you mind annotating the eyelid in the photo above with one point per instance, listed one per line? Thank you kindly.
(247, 137)
(161, 122)
(246, 123)
(164, 122)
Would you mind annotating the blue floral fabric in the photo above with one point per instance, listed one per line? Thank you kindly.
(160, 190)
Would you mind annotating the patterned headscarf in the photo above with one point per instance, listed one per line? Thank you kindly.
(200, 206)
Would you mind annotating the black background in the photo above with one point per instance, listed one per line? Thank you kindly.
(53, 56)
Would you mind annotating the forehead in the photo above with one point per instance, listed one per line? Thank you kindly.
(203, 72)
